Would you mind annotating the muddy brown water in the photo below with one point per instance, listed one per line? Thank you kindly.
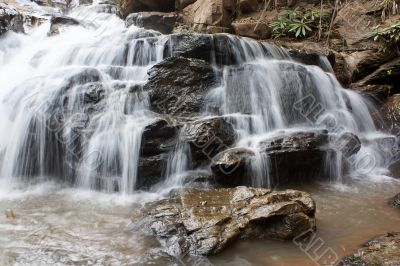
(63, 226)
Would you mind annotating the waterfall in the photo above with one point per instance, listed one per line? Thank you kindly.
(74, 107)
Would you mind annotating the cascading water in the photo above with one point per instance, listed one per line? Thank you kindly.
(79, 112)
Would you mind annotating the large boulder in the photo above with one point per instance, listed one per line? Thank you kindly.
(220, 49)
(203, 13)
(293, 157)
(206, 222)
(297, 157)
(207, 137)
(178, 86)
(159, 21)
(10, 19)
(383, 250)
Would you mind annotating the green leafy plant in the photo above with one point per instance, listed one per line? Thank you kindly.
(300, 28)
(293, 23)
(388, 37)
(279, 28)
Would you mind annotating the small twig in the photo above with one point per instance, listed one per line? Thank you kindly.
(335, 11)
(262, 14)
(320, 23)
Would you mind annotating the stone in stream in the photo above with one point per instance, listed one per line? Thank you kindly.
(207, 137)
(56, 23)
(178, 86)
(205, 222)
(383, 250)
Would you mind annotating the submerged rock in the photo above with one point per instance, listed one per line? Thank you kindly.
(383, 250)
(206, 222)
(208, 136)
(178, 86)
(348, 144)
(56, 23)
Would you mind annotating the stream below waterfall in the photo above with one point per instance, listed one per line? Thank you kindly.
(64, 226)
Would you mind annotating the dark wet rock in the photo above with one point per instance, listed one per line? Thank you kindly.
(56, 23)
(162, 22)
(189, 46)
(297, 157)
(221, 49)
(395, 201)
(348, 144)
(93, 92)
(207, 137)
(10, 19)
(388, 73)
(207, 222)
(158, 137)
(133, 6)
(230, 166)
(285, 154)
(151, 170)
(178, 86)
(394, 168)
(383, 250)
